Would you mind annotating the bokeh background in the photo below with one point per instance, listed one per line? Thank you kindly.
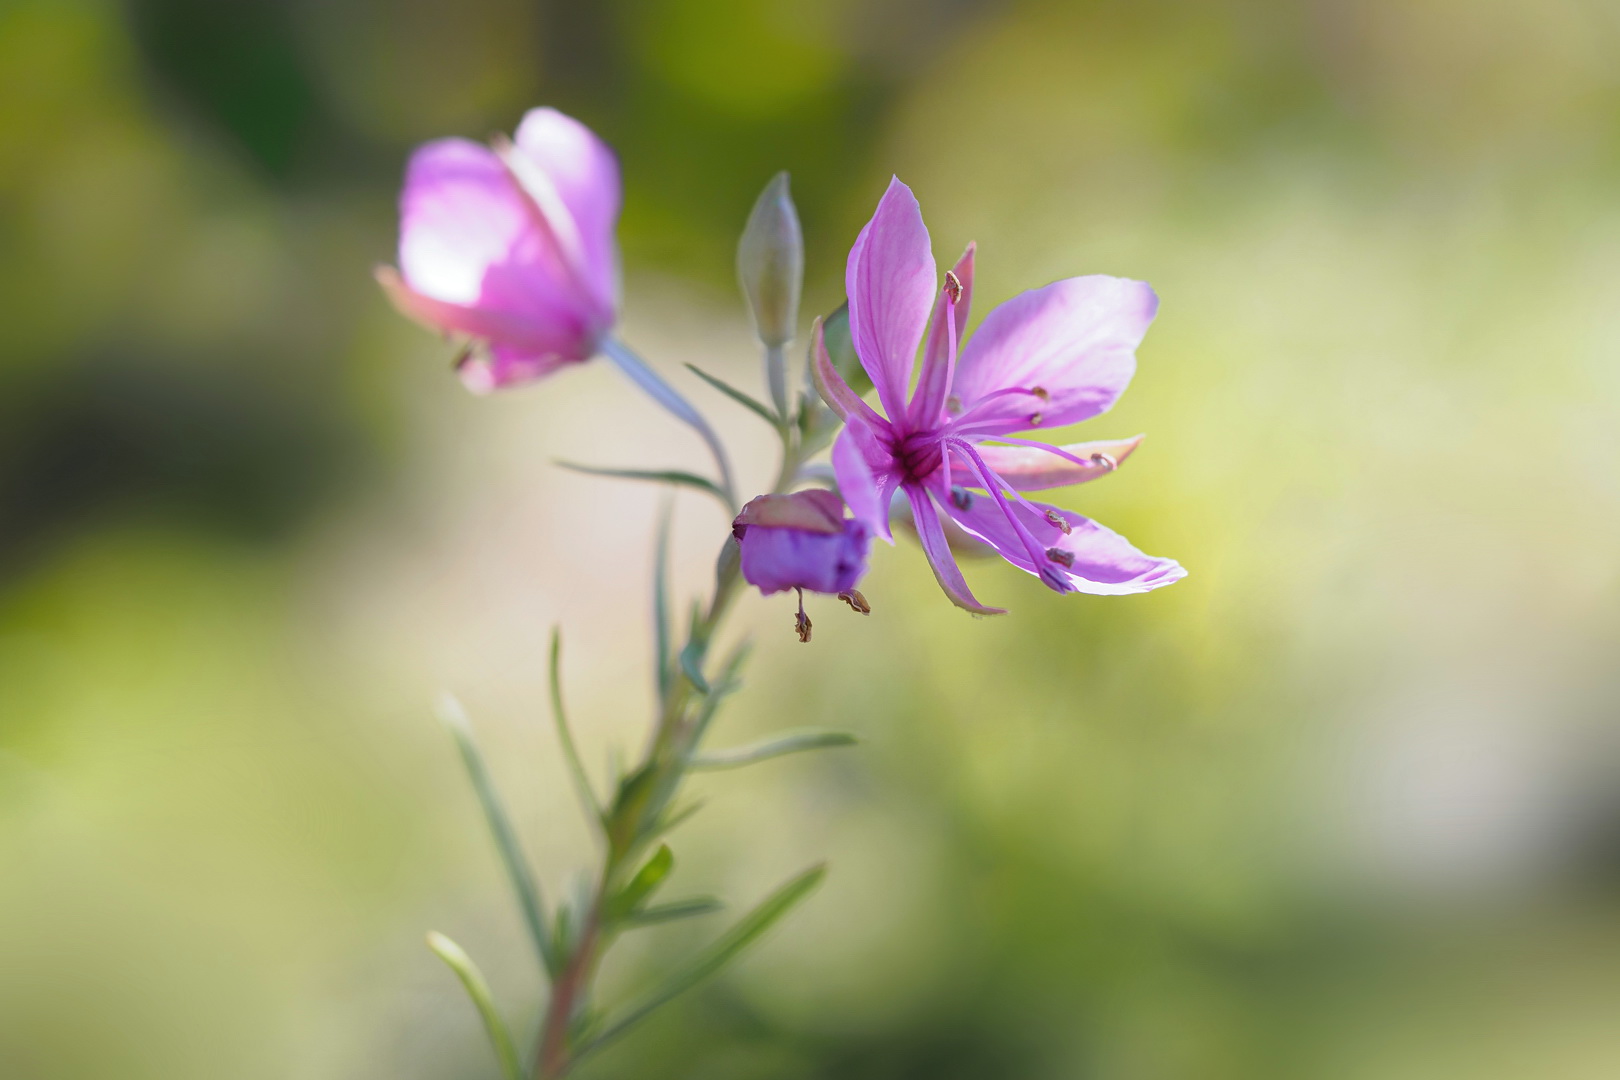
(1345, 804)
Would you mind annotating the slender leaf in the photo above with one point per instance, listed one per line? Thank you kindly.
(655, 476)
(692, 665)
(454, 717)
(661, 602)
(576, 768)
(763, 410)
(792, 742)
(478, 989)
(641, 887)
(667, 821)
(724, 686)
(663, 393)
(675, 909)
(729, 945)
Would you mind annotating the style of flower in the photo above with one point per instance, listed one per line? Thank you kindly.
(1050, 357)
(511, 247)
(803, 541)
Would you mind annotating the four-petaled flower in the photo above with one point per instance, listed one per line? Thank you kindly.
(1050, 357)
(511, 246)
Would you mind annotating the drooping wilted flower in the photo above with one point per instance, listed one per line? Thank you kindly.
(1049, 357)
(511, 247)
(801, 541)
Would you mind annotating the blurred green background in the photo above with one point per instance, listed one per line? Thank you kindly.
(1344, 805)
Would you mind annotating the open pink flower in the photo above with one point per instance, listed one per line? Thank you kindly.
(1049, 357)
(511, 246)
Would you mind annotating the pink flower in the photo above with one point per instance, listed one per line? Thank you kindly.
(1050, 357)
(512, 247)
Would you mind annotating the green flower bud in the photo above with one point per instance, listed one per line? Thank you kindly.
(770, 263)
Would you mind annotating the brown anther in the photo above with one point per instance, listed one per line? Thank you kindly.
(1040, 392)
(953, 405)
(1058, 555)
(463, 356)
(1035, 419)
(1057, 519)
(801, 622)
(1105, 461)
(855, 600)
(953, 287)
(961, 497)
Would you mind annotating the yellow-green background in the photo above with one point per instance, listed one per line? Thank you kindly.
(1345, 804)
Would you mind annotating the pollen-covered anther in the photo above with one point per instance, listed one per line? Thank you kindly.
(1056, 519)
(1108, 463)
(1040, 392)
(961, 497)
(953, 287)
(856, 601)
(1035, 419)
(1061, 557)
(953, 405)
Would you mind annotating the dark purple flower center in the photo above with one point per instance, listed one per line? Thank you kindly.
(918, 456)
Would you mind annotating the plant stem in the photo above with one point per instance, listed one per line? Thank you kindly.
(665, 764)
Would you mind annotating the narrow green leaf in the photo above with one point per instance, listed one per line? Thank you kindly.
(641, 887)
(454, 717)
(478, 989)
(744, 933)
(692, 665)
(675, 909)
(764, 411)
(656, 476)
(576, 768)
(661, 633)
(791, 742)
(724, 686)
(669, 820)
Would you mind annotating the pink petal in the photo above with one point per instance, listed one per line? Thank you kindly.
(1069, 349)
(474, 322)
(585, 174)
(506, 366)
(1030, 468)
(857, 458)
(939, 360)
(1104, 563)
(935, 546)
(839, 396)
(467, 238)
(890, 280)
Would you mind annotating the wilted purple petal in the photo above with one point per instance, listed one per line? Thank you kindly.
(801, 541)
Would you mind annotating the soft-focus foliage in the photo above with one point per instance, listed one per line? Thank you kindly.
(1342, 804)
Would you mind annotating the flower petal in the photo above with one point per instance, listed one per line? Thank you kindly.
(890, 280)
(1033, 468)
(939, 358)
(839, 396)
(585, 174)
(857, 459)
(1070, 348)
(467, 238)
(1103, 562)
(507, 365)
(938, 550)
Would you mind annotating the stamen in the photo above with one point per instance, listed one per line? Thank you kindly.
(953, 287)
(1035, 419)
(462, 358)
(1040, 392)
(1105, 461)
(961, 497)
(801, 624)
(1058, 555)
(855, 600)
(953, 405)
(1061, 522)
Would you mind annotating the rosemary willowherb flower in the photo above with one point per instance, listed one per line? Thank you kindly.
(511, 247)
(803, 541)
(1049, 357)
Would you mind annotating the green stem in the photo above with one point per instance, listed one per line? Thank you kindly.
(667, 760)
